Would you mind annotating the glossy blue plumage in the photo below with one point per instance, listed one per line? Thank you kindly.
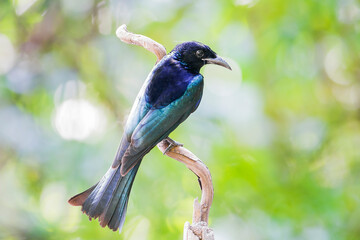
(171, 92)
(169, 82)
(168, 97)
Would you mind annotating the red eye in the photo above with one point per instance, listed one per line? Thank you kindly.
(199, 53)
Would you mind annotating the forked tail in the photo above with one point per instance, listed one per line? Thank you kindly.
(108, 199)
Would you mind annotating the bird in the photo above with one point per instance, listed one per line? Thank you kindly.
(171, 92)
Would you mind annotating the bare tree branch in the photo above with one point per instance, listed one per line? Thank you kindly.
(141, 40)
(199, 229)
(181, 154)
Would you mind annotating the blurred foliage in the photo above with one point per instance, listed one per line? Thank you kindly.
(280, 133)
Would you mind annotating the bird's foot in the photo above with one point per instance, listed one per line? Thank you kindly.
(172, 144)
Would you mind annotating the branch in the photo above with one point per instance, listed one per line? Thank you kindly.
(199, 229)
(181, 154)
(141, 40)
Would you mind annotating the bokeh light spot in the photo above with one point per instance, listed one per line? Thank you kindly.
(308, 134)
(7, 54)
(335, 65)
(78, 119)
(248, 3)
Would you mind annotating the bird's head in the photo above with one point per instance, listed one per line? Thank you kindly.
(194, 55)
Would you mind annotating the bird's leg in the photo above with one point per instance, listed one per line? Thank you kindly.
(172, 144)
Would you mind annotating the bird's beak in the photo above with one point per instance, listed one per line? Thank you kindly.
(218, 61)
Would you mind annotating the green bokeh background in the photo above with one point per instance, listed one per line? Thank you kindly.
(280, 133)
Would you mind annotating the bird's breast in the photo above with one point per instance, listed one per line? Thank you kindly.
(168, 83)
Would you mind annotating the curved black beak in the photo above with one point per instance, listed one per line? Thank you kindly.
(218, 61)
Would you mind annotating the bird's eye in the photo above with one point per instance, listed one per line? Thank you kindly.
(199, 53)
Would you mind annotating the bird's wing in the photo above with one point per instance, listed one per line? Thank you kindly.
(157, 124)
(139, 109)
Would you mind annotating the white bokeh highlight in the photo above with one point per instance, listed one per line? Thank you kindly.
(335, 65)
(78, 119)
(7, 54)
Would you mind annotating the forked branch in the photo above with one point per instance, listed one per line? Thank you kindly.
(199, 229)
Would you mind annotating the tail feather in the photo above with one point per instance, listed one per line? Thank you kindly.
(122, 219)
(79, 199)
(90, 201)
(122, 191)
(108, 211)
(101, 196)
(118, 215)
(108, 199)
(121, 205)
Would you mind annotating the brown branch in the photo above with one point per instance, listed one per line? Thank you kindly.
(141, 40)
(199, 229)
(181, 154)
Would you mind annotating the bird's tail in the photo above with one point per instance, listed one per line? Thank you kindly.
(108, 199)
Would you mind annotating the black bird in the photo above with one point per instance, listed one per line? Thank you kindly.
(171, 92)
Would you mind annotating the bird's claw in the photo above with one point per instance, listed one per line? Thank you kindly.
(172, 144)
